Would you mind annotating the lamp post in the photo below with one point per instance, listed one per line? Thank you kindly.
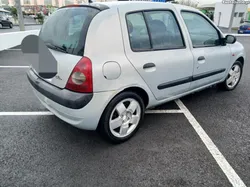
(232, 17)
(19, 15)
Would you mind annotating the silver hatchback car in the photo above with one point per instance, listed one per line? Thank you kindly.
(117, 59)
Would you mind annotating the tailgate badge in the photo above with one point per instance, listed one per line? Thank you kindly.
(58, 77)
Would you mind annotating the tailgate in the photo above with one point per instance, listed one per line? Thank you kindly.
(65, 64)
(64, 33)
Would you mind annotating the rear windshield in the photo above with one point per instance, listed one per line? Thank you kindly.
(66, 29)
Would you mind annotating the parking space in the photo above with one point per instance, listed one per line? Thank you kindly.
(168, 150)
(225, 118)
(17, 29)
(44, 151)
(13, 57)
(17, 92)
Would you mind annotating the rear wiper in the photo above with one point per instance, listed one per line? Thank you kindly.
(52, 46)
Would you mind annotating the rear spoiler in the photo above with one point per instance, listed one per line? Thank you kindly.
(97, 6)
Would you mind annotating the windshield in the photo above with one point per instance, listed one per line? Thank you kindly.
(66, 29)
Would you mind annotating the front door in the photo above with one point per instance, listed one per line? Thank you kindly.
(154, 44)
(210, 57)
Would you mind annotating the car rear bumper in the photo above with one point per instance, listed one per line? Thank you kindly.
(86, 117)
(63, 97)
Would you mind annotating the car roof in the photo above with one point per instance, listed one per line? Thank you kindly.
(143, 4)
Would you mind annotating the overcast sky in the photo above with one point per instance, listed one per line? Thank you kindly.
(208, 1)
(212, 1)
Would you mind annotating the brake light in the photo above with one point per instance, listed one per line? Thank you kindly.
(248, 28)
(81, 79)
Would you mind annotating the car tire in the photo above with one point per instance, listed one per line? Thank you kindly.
(233, 78)
(11, 26)
(1, 26)
(122, 117)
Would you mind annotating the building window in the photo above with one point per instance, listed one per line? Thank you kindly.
(235, 14)
(241, 14)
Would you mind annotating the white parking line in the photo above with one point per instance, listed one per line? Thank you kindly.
(163, 111)
(45, 113)
(12, 50)
(49, 113)
(14, 66)
(232, 176)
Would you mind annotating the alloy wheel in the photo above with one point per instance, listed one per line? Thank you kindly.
(234, 76)
(125, 117)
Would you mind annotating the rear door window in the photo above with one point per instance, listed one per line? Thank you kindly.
(164, 30)
(66, 29)
(154, 30)
(138, 33)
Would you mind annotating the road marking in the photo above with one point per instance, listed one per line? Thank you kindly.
(232, 176)
(163, 111)
(45, 113)
(14, 66)
(12, 50)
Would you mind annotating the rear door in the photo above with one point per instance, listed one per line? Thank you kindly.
(211, 58)
(155, 46)
(64, 33)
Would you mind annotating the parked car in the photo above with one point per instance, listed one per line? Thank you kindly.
(5, 22)
(128, 57)
(244, 28)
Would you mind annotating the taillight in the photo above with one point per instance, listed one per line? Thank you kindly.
(81, 79)
(248, 28)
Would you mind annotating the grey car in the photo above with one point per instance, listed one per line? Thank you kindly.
(118, 59)
(4, 22)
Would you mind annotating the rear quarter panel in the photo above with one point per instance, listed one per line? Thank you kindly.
(104, 43)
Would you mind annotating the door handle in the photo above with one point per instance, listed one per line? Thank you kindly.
(201, 58)
(148, 65)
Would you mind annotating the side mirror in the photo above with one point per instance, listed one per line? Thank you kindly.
(230, 39)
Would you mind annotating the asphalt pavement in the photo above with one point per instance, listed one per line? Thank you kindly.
(42, 150)
(17, 29)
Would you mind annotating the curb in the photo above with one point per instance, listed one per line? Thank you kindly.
(28, 24)
(243, 35)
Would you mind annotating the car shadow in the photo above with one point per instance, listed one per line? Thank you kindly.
(78, 137)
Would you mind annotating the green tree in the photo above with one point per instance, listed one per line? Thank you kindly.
(13, 11)
(40, 18)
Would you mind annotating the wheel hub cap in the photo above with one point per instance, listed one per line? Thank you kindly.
(234, 76)
(125, 118)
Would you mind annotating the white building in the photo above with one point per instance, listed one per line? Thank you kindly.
(222, 14)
